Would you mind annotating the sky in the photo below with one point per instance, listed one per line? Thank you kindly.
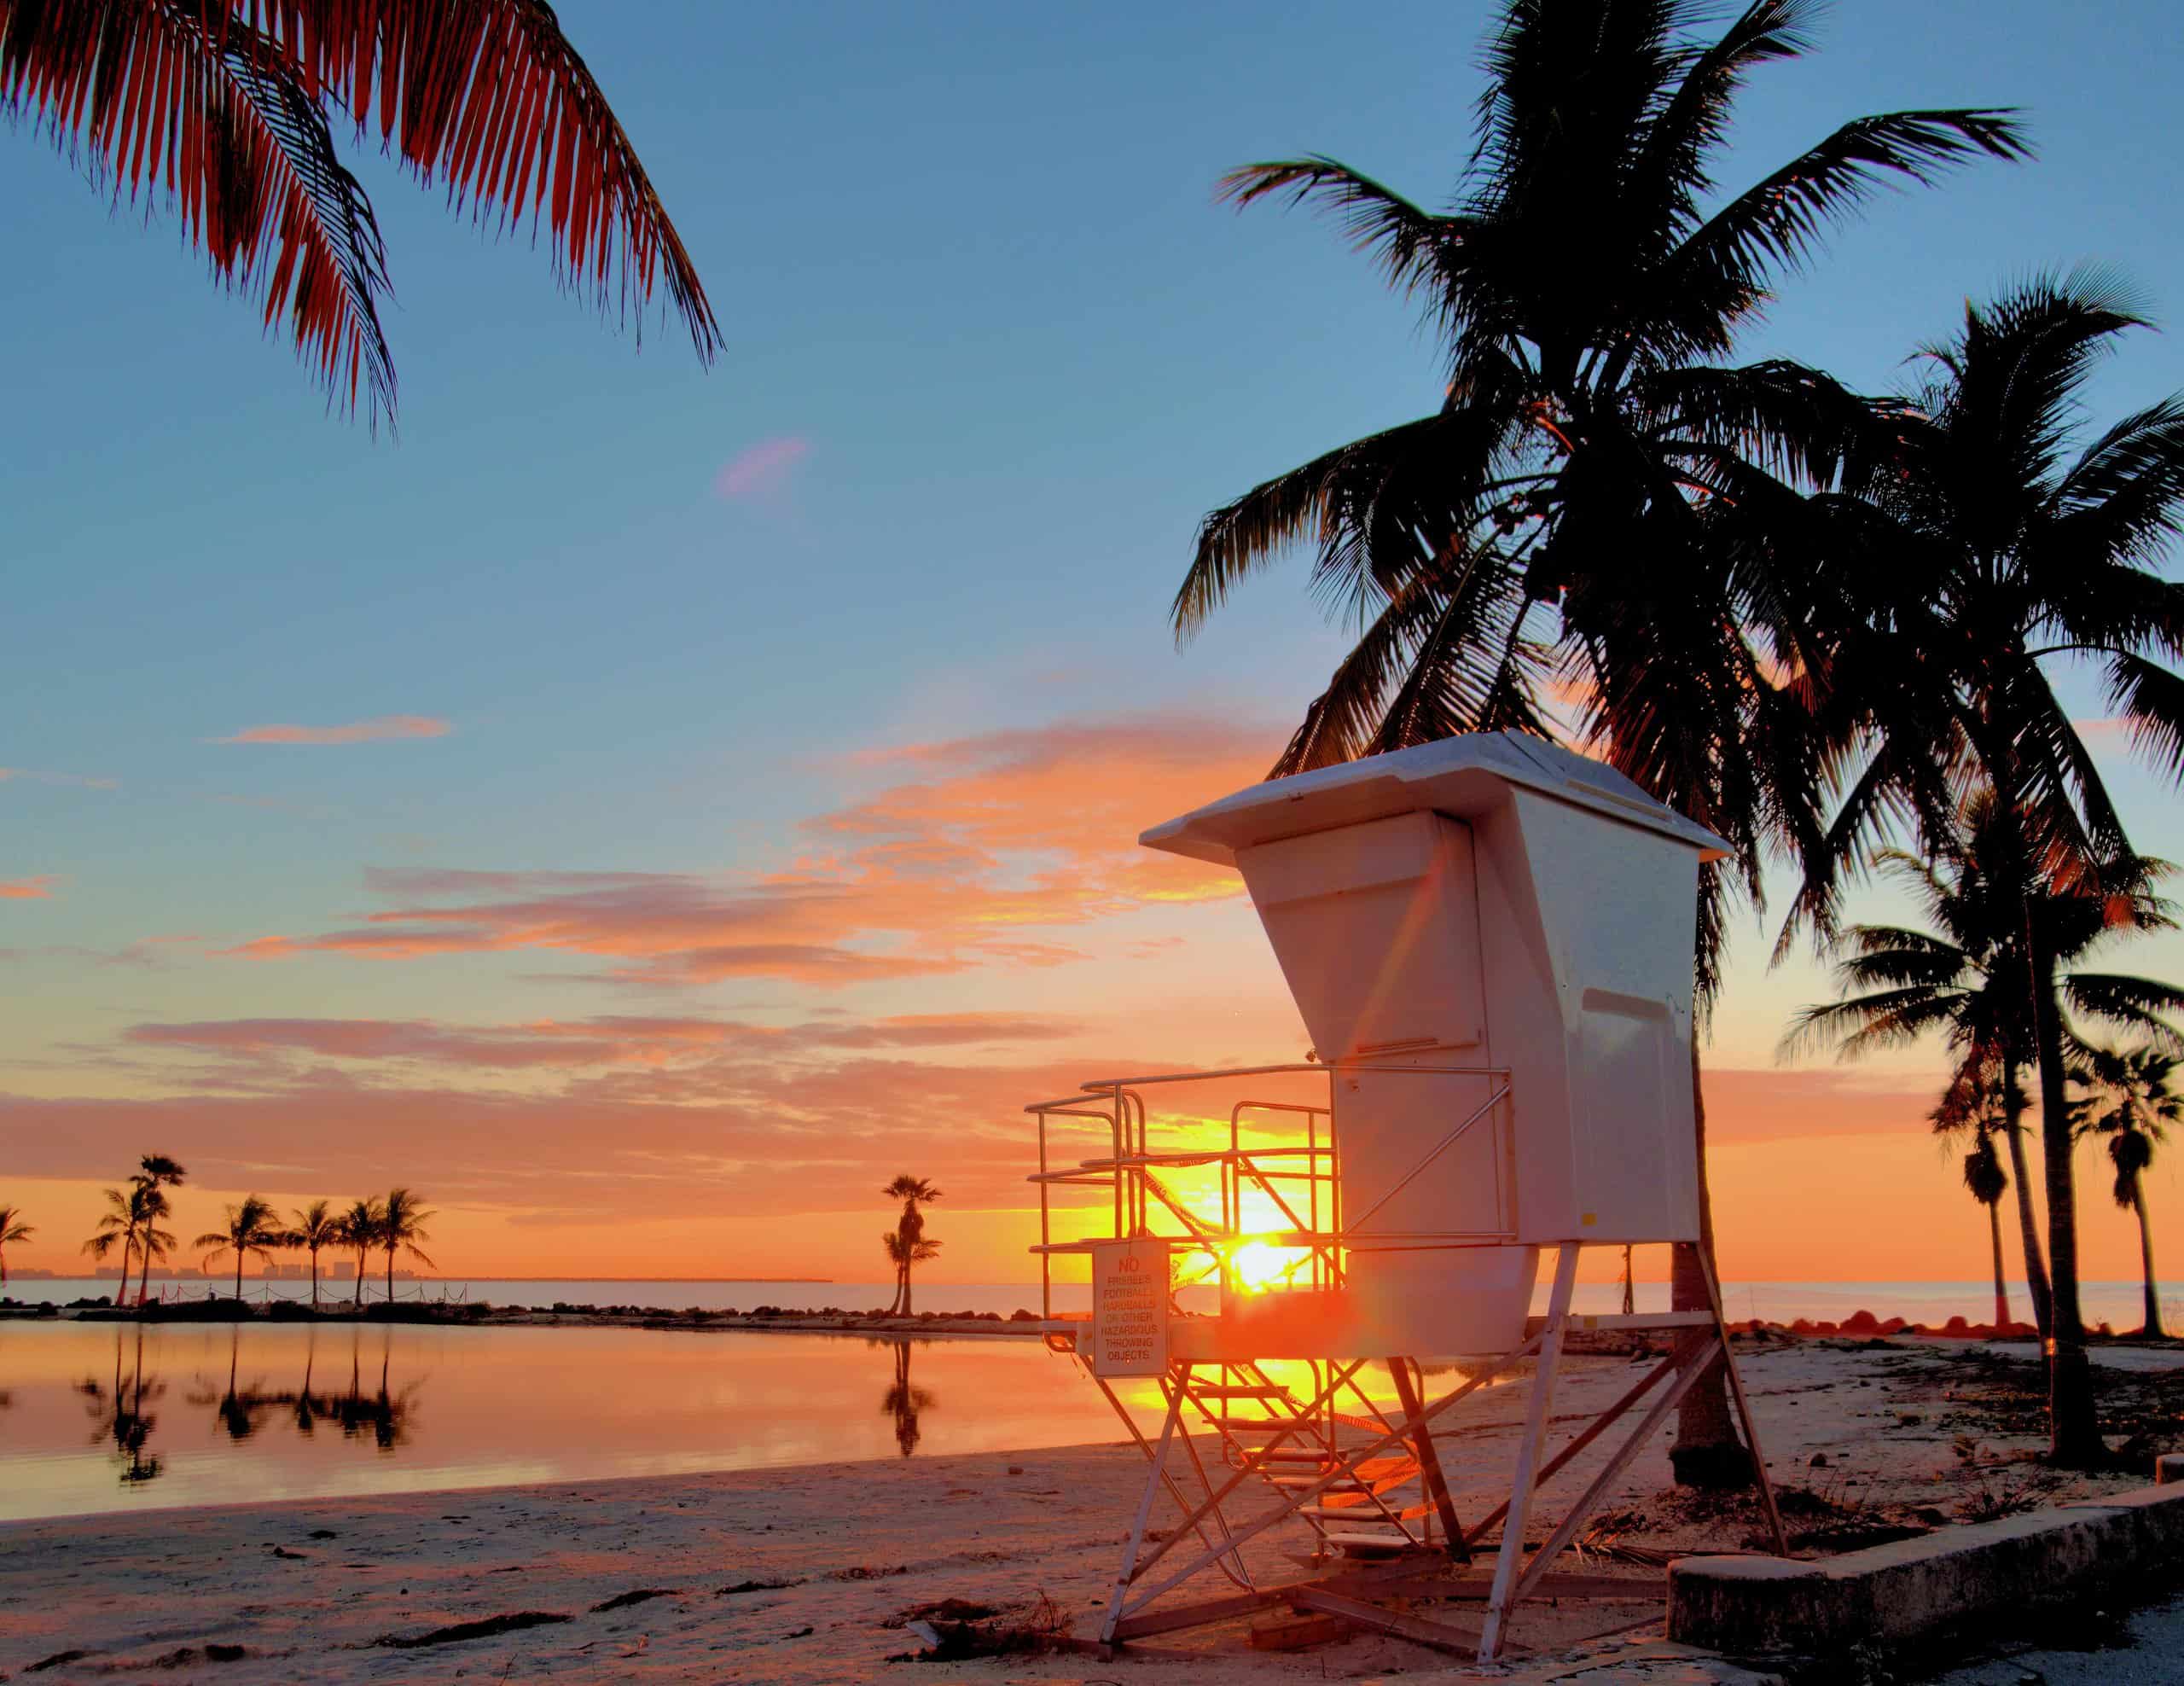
(645, 808)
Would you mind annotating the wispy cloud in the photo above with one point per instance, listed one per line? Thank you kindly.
(82, 781)
(378, 729)
(1000, 835)
(36, 889)
(760, 471)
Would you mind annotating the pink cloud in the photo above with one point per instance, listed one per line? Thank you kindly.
(1001, 835)
(380, 729)
(762, 470)
(79, 779)
(36, 889)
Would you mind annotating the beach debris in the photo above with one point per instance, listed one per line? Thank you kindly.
(321, 1534)
(58, 1660)
(622, 1601)
(755, 1586)
(943, 1610)
(1296, 1630)
(189, 1656)
(485, 1627)
(1041, 1627)
(800, 1633)
(293, 1556)
(865, 1572)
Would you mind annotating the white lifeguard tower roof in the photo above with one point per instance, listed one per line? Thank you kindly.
(1461, 776)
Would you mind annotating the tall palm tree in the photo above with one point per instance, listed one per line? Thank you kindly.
(914, 1192)
(2133, 1104)
(401, 1227)
(1964, 976)
(252, 1227)
(1600, 504)
(159, 1173)
(130, 1211)
(229, 108)
(313, 1229)
(12, 1229)
(360, 1231)
(1995, 554)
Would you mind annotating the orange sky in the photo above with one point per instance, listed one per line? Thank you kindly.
(968, 927)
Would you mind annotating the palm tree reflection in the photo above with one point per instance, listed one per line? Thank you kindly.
(119, 1412)
(903, 1402)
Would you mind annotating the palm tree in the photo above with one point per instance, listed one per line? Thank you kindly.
(360, 1230)
(903, 1252)
(12, 1229)
(914, 1192)
(1973, 1102)
(252, 1227)
(159, 1173)
(153, 1243)
(315, 1227)
(402, 1226)
(241, 102)
(129, 1214)
(1994, 554)
(2133, 1105)
(1964, 975)
(1601, 502)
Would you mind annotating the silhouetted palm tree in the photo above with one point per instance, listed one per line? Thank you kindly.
(360, 1231)
(132, 1213)
(251, 1228)
(914, 1192)
(1600, 505)
(2132, 1104)
(401, 1227)
(1993, 552)
(313, 1229)
(1972, 1104)
(159, 1173)
(1964, 976)
(242, 101)
(902, 1254)
(12, 1229)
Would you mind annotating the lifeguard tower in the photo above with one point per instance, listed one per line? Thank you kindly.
(1488, 939)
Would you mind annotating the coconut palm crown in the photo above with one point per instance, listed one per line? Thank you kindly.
(252, 1227)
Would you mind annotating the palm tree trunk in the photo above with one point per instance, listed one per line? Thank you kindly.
(2146, 1256)
(314, 1279)
(2073, 1430)
(1629, 1286)
(906, 1287)
(145, 1279)
(362, 1256)
(390, 1276)
(128, 1251)
(2002, 1288)
(238, 1276)
(2036, 1263)
(1707, 1452)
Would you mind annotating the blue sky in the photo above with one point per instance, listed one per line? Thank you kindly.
(968, 261)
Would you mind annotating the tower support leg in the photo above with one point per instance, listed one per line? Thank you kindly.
(1528, 1452)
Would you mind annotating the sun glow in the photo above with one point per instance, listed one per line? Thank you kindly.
(1260, 1266)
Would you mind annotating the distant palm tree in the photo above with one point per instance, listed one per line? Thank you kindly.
(401, 1227)
(159, 1173)
(252, 1227)
(314, 1228)
(360, 1227)
(12, 1229)
(236, 103)
(153, 1243)
(1964, 976)
(130, 1211)
(902, 1254)
(1603, 505)
(2133, 1105)
(1972, 1103)
(914, 1192)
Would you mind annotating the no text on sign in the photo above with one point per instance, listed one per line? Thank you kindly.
(1130, 1308)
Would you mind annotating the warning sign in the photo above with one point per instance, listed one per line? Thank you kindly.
(1130, 1308)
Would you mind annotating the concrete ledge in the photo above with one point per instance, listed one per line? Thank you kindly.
(2168, 1467)
(1752, 1606)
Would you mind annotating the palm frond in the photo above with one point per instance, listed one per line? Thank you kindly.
(1408, 244)
(489, 97)
(211, 112)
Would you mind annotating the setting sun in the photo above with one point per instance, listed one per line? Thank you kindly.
(1260, 1266)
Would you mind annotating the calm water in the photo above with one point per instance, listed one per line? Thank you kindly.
(105, 1416)
(2116, 1303)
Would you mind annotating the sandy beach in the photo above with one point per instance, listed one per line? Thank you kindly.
(806, 1575)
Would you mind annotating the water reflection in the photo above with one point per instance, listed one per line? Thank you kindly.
(378, 1413)
(119, 1412)
(903, 1402)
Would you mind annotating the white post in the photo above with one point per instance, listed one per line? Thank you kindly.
(1528, 1451)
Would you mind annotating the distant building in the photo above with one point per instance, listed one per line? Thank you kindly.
(344, 1271)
